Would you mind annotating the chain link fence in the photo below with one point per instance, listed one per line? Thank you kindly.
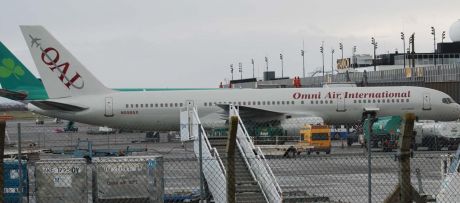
(335, 169)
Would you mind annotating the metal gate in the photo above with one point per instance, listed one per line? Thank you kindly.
(426, 101)
(108, 107)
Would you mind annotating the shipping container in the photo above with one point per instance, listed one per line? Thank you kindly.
(61, 180)
(128, 179)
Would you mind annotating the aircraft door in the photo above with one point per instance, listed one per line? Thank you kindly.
(108, 107)
(189, 104)
(341, 103)
(426, 101)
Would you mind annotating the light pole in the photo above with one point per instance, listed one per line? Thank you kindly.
(443, 36)
(375, 48)
(266, 62)
(404, 48)
(332, 60)
(231, 70)
(240, 70)
(355, 62)
(302, 52)
(282, 65)
(433, 32)
(321, 49)
(341, 48)
(412, 40)
(252, 61)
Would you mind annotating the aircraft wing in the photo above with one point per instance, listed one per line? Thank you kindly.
(250, 113)
(51, 105)
(17, 96)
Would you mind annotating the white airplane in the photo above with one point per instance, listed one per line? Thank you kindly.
(75, 94)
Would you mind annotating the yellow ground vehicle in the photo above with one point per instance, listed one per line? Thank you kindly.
(313, 138)
(317, 136)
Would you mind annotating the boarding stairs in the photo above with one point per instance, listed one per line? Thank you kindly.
(254, 179)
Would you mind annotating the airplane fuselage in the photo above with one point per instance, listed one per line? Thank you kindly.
(160, 110)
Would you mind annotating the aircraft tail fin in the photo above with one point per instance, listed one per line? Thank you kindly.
(17, 80)
(62, 74)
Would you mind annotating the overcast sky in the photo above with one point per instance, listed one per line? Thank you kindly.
(183, 43)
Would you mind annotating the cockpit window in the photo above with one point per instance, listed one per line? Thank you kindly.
(447, 100)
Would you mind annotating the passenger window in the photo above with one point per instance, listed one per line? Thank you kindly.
(166, 104)
(156, 105)
(378, 100)
(383, 100)
(151, 105)
(258, 102)
(205, 104)
(278, 102)
(131, 105)
(326, 101)
(331, 102)
(273, 102)
(359, 101)
(316, 102)
(181, 104)
(364, 101)
(244, 103)
(263, 102)
(292, 102)
(239, 103)
(321, 101)
(311, 102)
(373, 101)
(161, 105)
(388, 100)
(393, 100)
(171, 105)
(137, 105)
(369, 101)
(282, 102)
(142, 105)
(397, 100)
(127, 106)
(354, 101)
(301, 102)
(407, 100)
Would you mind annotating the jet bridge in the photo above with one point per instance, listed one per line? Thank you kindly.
(255, 181)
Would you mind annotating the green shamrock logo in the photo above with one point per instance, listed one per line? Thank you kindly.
(8, 67)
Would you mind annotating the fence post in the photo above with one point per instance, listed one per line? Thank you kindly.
(200, 150)
(404, 158)
(20, 163)
(231, 145)
(369, 162)
(2, 150)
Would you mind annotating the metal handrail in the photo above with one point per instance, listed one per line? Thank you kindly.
(222, 167)
(207, 143)
(278, 187)
(248, 138)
